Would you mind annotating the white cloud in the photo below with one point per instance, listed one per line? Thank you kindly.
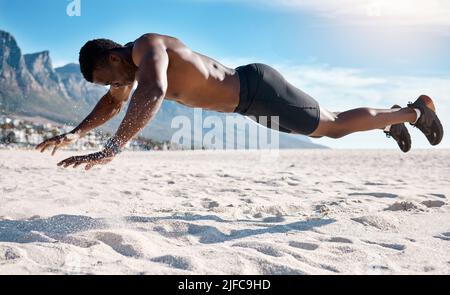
(339, 89)
(394, 12)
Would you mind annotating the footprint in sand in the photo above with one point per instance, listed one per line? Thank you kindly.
(303, 245)
(322, 209)
(260, 247)
(434, 203)
(61, 182)
(357, 188)
(404, 206)
(79, 242)
(344, 249)
(374, 183)
(247, 200)
(375, 194)
(187, 204)
(340, 240)
(444, 236)
(10, 190)
(117, 243)
(209, 204)
(442, 196)
(10, 254)
(273, 219)
(229, 190)
(174, 261)
(377, 221)
(398, 247)
(339, 181)
(266, 267)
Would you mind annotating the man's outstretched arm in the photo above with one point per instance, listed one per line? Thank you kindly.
(151, 90)
(107, 107)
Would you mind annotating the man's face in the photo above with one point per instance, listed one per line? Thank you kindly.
(115, 72)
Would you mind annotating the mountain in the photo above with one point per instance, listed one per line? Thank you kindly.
(31, 86)
(77, 87)
(15, 80)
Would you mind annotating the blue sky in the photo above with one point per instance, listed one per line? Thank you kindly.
(355, 53)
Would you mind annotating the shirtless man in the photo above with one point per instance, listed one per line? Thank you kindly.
(164, 67)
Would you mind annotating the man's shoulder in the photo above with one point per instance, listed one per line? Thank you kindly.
(155, 38)
(152, 36)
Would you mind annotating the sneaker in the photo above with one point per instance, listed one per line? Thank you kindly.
(428, 123)
(400, 133)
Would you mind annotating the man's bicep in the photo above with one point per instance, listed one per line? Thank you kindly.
(153, 65)
(153, 69)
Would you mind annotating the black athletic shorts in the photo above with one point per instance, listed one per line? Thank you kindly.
(264, 92)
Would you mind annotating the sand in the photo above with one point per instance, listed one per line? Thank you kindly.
(235, 212)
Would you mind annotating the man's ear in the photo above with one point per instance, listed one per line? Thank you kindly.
(114, 58)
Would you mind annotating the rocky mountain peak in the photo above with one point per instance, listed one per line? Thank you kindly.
(40, 66)
(10, 54)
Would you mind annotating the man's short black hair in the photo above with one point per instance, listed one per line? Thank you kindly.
(92, 54)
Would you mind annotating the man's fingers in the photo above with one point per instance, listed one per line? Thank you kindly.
(66, 161)
(49, 144)
(41, 144)
(54, 149)
(62, 162)
(44, 146)
(67, 164)
(73, 160)
(90, 160)
(90, 165)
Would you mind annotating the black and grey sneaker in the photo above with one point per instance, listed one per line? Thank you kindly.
(400, 133)
(428, 123)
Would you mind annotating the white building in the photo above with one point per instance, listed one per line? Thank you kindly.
(16, 122)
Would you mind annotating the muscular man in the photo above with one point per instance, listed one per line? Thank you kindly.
(164, 67)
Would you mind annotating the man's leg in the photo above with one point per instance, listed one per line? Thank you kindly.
(339, 124)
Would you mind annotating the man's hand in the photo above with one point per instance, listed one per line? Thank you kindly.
(99, 158)
(58, 142)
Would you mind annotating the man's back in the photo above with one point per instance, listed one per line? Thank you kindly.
(194, 79)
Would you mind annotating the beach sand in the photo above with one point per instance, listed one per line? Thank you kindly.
(235, 212)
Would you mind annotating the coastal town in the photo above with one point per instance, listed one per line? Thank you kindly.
(18, 133)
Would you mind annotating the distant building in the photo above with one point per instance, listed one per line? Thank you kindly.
(16, 122)
(19, 133)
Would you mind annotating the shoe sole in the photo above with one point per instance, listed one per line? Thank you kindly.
(428, 102)
(405, 131)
